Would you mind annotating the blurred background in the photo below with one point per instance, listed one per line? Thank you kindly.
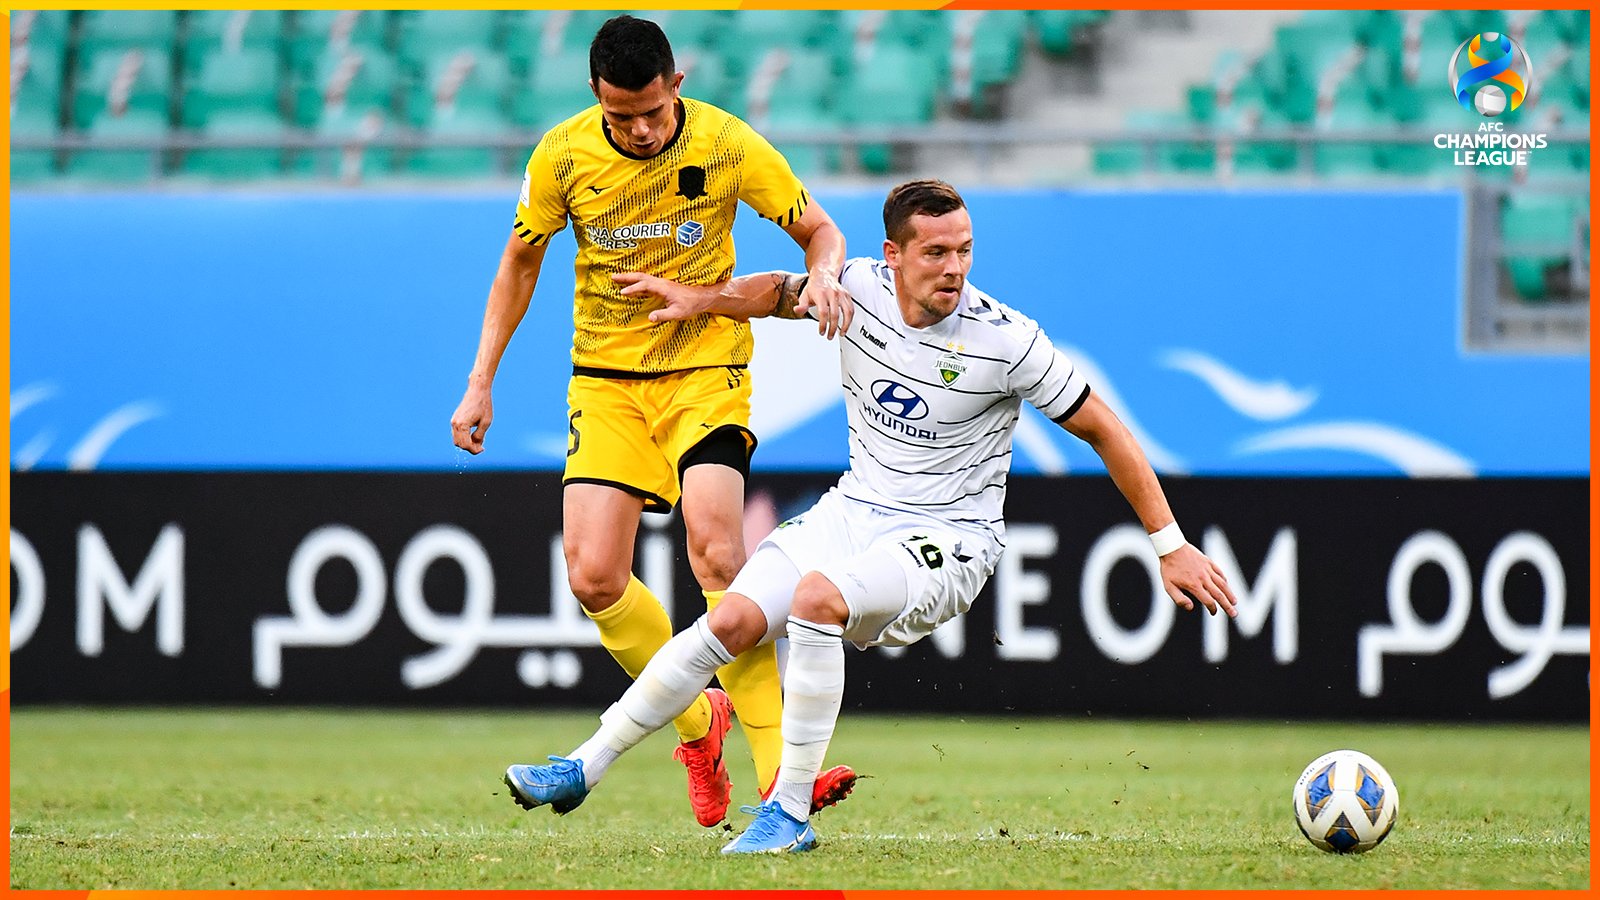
(250, 251)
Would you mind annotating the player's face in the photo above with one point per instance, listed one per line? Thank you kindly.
(641, 121)
(931, 268)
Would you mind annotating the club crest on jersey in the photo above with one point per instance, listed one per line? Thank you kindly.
(691, 182)
(950, 367)
(690, 233)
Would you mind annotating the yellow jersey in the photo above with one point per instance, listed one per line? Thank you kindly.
(670, 215)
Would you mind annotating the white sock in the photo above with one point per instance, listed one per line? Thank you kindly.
(813, 690)
(677, 674)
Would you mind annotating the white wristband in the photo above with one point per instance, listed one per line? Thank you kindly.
(1167, 539)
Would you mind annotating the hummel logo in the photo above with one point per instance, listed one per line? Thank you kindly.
(596, 189)
(871, 337)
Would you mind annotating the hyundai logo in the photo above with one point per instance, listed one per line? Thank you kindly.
(899, 400)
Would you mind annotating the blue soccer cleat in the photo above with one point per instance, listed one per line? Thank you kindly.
(560, 785)
(772, 832)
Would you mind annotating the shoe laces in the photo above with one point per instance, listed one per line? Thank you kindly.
(770, 818)
(563, 766)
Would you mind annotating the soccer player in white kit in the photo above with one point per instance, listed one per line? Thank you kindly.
(934, 373)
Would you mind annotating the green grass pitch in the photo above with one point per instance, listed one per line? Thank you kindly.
(295, 798)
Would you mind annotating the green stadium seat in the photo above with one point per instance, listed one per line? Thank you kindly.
(892, 87)
(319, 32)
(359, 77)
(1059, 30)
(427, 34)
(807, 160)
(997, 46)
(239, 163)
(130, 166)
(463, 162)
(1340, 160)
(1337, 26)
(355, 159)
(465, 79)
(102, 30)
(689, 29)
(207, 31)
(1538, 232)
(29, 166)
(754, 32)
(244, 79)
(149, 89)
(1254, 156)
(36, 76)
(557, 89)
(40, 28)
(706, 77)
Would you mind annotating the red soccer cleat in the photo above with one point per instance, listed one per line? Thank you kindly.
(709, 785)
(831, 786)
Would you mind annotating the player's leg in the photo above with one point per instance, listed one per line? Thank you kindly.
(713, 507)
(676, 675)
(613, 472)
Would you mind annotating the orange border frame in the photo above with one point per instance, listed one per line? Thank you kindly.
(5, 266)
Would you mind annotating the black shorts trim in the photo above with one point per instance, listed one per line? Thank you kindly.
(627, 375)
(652, 502)
(1077, 404)
(726, 445)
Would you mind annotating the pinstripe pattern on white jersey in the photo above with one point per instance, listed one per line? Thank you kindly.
(932, 410)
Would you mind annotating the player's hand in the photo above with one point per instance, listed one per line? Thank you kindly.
(678, 301)
(833, 306)
(1187, 572)
(471, 420)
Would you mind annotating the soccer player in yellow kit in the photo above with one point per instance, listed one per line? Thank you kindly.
(658, 414)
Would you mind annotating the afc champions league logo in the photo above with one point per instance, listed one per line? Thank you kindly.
(1498, 74)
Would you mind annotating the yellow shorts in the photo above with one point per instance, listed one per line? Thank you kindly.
(632, 434)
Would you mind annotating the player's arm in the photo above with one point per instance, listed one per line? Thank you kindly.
(509, 296)
(1184, 570)
(746, 297)
(823, 296)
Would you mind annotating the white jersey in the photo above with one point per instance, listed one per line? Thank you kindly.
(932, 410)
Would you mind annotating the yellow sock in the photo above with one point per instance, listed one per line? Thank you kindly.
(752, 684)
(632, 630)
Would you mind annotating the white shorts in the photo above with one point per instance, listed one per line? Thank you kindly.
(902, 575)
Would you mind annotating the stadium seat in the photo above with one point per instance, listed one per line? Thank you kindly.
(239, 163)
(319, 32)
(463, 79)
(557, 89)
(105, 30)
(690, 29)
(1538, 231)
(32, 122)
(427, 34)
(706, 78)
(753, 32)
(143, 78)
(357, 77)
(997, 46)
(36, 77)
(207, 31)
(354, 159)
(230, 80)
(463, 162)
(40, 28)
(131, 166)
(892, 87)
(1059, 30)
(1340, 160)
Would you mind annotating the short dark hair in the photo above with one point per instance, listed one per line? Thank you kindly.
(629, 53)
(925, 198)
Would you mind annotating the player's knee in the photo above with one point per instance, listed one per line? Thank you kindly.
(595, 586)
(817, 600)
(739, 626)
(716, 559)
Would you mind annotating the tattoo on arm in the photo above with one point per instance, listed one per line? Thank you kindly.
(789, 287)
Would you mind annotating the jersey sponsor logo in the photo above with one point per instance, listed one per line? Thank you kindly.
(625, 236)
(879, 343)
(690, 233)
(691, 182)
(950, 367)
(899, 400)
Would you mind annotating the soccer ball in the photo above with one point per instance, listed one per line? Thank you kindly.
(1489, 101)
(1344, 802)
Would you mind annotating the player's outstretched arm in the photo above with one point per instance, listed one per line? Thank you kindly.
(1185, 571)
(823, 297)
(746, 297)
(509, 296)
